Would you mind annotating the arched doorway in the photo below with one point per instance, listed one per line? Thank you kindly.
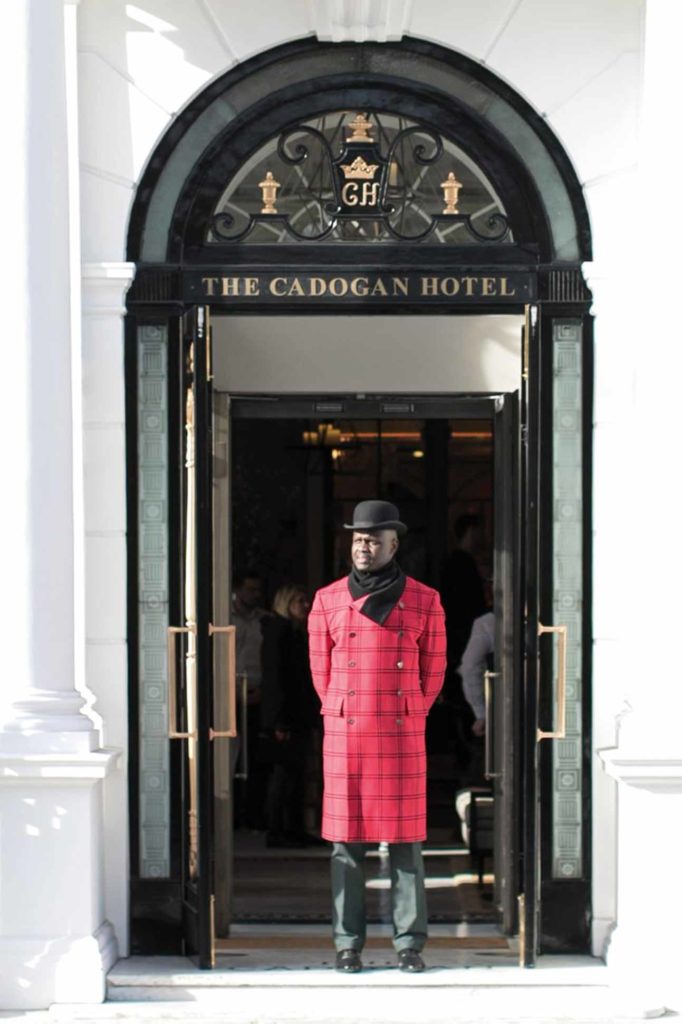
(381, 182)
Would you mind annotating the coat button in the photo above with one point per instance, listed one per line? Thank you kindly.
(399, 664)
(398, 721)
(401, 632)
(351, 693)
(351, 664)
(351, 721)
(352, 634)
(401, 604)
(399, 693)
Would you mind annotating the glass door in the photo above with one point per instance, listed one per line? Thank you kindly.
(554, 888)
(533, 426)
(192, 646)
(502, 697)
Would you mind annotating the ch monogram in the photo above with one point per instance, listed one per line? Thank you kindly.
(354, 194)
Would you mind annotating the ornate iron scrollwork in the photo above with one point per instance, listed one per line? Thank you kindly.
(358, 185)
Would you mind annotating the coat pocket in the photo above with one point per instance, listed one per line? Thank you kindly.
(333, 704)
(414, 704)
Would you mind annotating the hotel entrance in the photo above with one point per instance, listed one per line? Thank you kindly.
(286, 472)
(294, 482)
(312, 340)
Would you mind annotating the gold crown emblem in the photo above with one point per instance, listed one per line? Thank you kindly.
(359, 169)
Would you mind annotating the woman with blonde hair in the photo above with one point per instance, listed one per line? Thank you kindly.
(289, 713)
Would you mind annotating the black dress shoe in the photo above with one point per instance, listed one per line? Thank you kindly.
(410, 960)
(348, 961)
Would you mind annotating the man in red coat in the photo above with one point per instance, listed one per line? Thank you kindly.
(377, 654)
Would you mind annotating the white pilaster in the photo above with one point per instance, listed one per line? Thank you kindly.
(43, 711)
(657, 704)
(55, 941)
(646, 760)
(104, 286)
(643, 953)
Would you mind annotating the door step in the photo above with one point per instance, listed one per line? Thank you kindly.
(172, 988)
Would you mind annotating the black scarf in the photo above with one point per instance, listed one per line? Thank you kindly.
(384, 587)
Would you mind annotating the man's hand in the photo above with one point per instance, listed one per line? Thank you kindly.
(478, 728)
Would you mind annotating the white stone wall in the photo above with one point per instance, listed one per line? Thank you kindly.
(578, 62)
(55, 941)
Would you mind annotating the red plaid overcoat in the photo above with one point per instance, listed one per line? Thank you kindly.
(376, 684)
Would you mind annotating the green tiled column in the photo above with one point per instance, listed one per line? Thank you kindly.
(567, 853)
(152, 443)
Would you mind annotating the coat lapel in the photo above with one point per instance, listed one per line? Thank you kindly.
(357, 604)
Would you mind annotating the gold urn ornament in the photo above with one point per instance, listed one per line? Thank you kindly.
(451, 187)
(360, 129)
(269, 189)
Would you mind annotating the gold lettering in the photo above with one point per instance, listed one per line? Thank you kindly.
(470, 282)
(429, 286)
(359, 286)
(209, 283)
(251, 286)
(503, 289)
(400, 285)
(370, 193)
(275, 286)
(379, 288)
(450, 286)
(318, 286)
(489, 286)
(349, 193)
(296, 288)
(230, 286)
(338, 286)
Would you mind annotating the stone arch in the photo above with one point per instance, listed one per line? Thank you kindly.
(265, 93)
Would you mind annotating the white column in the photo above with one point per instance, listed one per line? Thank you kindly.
(646, 761)
(42, 709)
(104, 287)
(657, 706)
(55, 942)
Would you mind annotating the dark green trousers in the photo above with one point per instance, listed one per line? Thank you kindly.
(408, 895)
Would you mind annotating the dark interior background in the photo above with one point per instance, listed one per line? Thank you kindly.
(296, 481)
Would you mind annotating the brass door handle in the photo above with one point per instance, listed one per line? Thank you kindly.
(488, 772)
(171, 637)
(560, 732)
(231, 731)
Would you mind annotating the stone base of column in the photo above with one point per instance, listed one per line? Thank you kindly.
(643, 951)
(55, 944)
(45, 721)
(37, 973)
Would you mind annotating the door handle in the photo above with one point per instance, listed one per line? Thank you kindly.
(171, 637)
(488, 772)
(560, 716)
(231, 731)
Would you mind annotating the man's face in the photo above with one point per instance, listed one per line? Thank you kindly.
(373, 549)
(249, 593)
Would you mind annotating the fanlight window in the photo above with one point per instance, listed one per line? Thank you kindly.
(370, 178)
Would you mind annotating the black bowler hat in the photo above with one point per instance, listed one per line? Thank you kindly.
(376, 515)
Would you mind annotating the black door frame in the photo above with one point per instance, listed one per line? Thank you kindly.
(564, 922)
